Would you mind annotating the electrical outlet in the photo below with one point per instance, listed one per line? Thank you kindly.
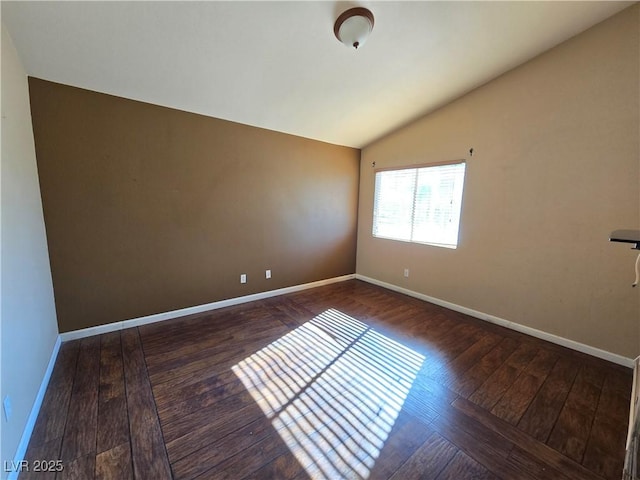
(6, 403)
(267, 274)
(406, 273)
(243, 278)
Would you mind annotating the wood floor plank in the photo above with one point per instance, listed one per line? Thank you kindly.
(166, 398)
(468, 434)
(221, 421)
(573, 427)
(469, 381)
(199, 364)
(113, 420)
(222, 447)
(148, 451)
(134, 363)
(428, 460)
(113, 423)
(80, 468)
(606, 466)
(607, 437)
(463, 466)
(451, 372)
(520, 439)
(494, 387)
(88, 368)
(177, 410)
(571, 432)
(485, 446)
(55, 405)
(404, 439)
(338, 384)
(614, 400)
(194, 327)
(324, 455)
(586, 390)
(606, 441)
(517, 398)
(174, 382)
(115, 463)
(545, 407)
(617, 380)
(82, 421)
(174, 355)
(255, 458)
(49, 451)
(298, 314)
(458, 340)
(285, 465)
(111, 369)
(540, 469)
(427, 398)
(213, 413)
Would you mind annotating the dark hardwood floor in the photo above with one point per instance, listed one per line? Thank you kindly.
(344, 381)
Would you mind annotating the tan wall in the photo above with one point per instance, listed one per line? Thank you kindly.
(150, 209)
(556, 168)
(29, 329)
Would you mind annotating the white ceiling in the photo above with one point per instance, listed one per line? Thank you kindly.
(277, 65)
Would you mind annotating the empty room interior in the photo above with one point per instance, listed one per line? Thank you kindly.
(320, 240)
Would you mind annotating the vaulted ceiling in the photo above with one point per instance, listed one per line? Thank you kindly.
(277, 65)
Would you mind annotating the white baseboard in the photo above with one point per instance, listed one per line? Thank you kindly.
(565, 342)
(35, 410)
(634, 407)
(159, 317)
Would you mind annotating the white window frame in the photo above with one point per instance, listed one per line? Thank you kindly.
(419, 203)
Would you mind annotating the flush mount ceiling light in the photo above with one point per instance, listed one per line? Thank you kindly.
(353, 26)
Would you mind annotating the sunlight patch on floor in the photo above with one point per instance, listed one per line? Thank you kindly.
(333, 389)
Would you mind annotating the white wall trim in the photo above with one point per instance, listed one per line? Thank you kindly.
(565, 342)
(35, 410)
(159, 317)
(635, 398)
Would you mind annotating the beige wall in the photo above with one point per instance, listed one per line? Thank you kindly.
(150, 209)
(556, 167)
(28, 327)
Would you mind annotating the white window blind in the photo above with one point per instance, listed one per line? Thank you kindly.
(419, 204)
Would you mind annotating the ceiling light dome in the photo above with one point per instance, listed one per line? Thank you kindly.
(353, 26)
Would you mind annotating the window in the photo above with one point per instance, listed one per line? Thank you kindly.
(420, 204)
